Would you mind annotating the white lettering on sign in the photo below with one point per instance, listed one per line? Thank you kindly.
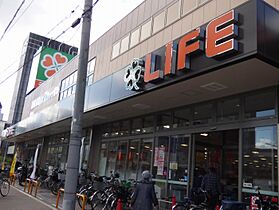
(44, 98)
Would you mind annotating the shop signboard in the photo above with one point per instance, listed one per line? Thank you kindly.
(51, 61)
(217, 39)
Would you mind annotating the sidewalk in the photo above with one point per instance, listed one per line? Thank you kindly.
(17, 200)
(45, 196)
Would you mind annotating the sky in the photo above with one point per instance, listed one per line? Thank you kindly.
(48, 18)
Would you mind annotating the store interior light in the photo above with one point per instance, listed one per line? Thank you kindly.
(166, 126)
(138, 130)
(263, 159)
(255, 161)
(184, 145)
(147, 147)
(204, 134)
(246, 156)
(255, 152)
(132, 147)
(257, 166)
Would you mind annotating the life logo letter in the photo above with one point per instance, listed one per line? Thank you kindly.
(220, 35)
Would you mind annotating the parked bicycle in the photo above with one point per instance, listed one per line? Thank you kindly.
(266, 202)
(4, 185)
(198, 202)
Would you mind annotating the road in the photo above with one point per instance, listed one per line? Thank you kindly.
(17, 200)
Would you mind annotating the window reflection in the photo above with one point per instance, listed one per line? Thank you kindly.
(228, 110)
(145, 156)
(203, 114)
(260, 105)
(182, 118)
(111, 161)
(133, 157)
(260, 158)
(136, 126)
(121, 158)
(164, 121)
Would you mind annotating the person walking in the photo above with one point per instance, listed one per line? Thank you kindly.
(211, 185)
(144, 197)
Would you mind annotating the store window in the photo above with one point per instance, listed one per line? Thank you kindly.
(106, 129)
(124, 128)
(135, 37)
(121, 158)
(178, 166)
(164, 121)
(260, 159)
(145, 156)
(115, 129)
(103, 159)
(57, 151)
(160, 165)
(124, 44)
(111, 160)
(203, 114)
(136, 126)
(148, 124)
(133, 158)
(260, 105)
(228, 109)
(68, 86)
(115, 50)
(90, 71)
(182, 117)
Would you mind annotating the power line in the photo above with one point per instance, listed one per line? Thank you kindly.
(35, 55)
(21, 14)
(74, 34)
(61, 21)
(83, 14)
(12, 20)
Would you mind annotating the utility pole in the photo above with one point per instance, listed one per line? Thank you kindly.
(69, 200)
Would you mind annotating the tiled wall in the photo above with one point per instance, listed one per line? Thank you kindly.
(160, 21)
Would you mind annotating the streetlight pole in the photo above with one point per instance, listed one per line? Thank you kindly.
(69, 200)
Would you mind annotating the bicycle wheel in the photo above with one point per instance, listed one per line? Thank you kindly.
(88, 194)
(97, 199)
(5, 188)
(180, 207)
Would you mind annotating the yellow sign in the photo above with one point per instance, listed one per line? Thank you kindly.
(12, 170)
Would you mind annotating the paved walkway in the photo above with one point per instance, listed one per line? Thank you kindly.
(17, 200)
(44, 196)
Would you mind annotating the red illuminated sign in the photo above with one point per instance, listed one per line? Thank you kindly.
(220, 40)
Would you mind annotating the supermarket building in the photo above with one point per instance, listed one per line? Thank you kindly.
(175, 87)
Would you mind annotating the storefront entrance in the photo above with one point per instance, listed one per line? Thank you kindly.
(218, 150)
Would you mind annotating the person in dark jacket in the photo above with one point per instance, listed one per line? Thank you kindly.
(211, 185)
(144, 197)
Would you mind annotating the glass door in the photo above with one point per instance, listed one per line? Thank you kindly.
(133, 158)
(160, 166)
(219, 151)
(179, 160)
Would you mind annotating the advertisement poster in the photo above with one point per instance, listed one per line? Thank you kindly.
(51, 61)
(160, 160)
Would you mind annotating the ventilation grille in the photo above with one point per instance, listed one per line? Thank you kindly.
(214, 86)
(141, 106)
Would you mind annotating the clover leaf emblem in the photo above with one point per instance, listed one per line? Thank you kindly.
(134, 74)
(52, 64)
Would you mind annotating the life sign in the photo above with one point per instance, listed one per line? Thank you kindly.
(219, 38)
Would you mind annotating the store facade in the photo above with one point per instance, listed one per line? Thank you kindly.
(206, 98)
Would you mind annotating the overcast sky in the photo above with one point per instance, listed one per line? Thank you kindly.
(40, 18)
